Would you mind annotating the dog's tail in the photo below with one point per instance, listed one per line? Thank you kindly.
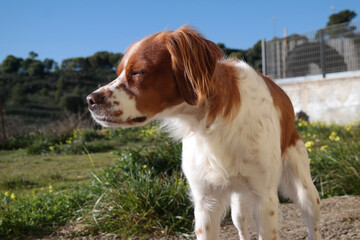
(296, 184)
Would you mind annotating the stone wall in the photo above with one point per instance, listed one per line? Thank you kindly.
(335, 98)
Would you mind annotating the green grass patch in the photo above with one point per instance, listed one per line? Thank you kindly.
(20, 172)
(40, 213)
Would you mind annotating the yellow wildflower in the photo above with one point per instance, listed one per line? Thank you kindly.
(12, 196)
(69, 140)
(6, 194)
(145, 166)
(323, 147)
(309, 160)
(52, 148)
(333, 136)
(309, 144)
(50, 189)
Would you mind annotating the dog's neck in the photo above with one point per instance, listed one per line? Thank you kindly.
(220, 105)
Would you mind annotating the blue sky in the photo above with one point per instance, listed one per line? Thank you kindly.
(60, 29)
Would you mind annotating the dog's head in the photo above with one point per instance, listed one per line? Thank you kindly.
(156, 73)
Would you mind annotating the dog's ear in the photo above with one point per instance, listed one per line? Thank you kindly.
(193, 62)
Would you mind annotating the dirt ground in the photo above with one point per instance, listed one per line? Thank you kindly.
(340, 219)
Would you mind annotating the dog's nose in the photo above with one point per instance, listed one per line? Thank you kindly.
(95, 98)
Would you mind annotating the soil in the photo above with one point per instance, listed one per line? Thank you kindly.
(340, 219)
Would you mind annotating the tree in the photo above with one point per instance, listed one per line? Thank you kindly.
(100, 60)
(48, 64)
(338, 26)
(36, 68)
(104, 60)
(33, 55)
(75, 64)
(341, 17)
(11, 64)
(26, 63)
(115, 58)
(254, 56)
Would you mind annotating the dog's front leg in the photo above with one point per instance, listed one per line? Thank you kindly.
(209, 211)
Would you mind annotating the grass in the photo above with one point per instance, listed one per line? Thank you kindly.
(334, 152)
(20, 172)
(137, 189)
(39, 213)
(139, 202)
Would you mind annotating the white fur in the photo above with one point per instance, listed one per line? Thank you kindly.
(126, 102)
(241, 163)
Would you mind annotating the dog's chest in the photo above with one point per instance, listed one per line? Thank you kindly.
(217, 160)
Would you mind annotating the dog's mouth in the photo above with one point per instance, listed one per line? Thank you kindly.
(139, 119)
(109, 122)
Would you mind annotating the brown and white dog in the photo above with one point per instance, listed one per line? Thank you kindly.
(237, 129)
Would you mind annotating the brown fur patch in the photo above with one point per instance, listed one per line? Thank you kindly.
(272, 213)
(155, 89)
(108, 93)
(289, 134)
(223, 97)
(193, 61)
(116, 102)
(199, 231)
(117, 113)
(318, 201)
(202, 79)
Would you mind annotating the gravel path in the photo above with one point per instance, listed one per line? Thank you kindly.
(340, 219)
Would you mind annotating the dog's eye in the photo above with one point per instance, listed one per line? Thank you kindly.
(137, 73)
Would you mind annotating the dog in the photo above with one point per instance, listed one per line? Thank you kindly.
(237, 127)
